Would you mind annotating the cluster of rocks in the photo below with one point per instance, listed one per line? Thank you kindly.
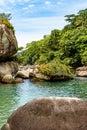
(34, 74)
(49, 114)
(8, 47)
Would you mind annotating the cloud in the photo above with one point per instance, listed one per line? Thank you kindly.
(47, 3)
(79, 6)
(40, 23)
(31, 29)
(23, 0)
(16, 1)
(2, 2)
(59, 3)
(26, 37)
(27, 7)
(74, 7)
(11, 1)
(31, 5)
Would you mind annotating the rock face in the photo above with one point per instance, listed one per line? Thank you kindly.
(8, 71)
(8, 47)
(8, 43)
(81, 71)
(50, 114)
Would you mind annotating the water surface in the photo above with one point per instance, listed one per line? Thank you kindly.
(14, 95)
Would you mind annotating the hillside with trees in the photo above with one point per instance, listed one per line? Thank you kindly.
(68, 45)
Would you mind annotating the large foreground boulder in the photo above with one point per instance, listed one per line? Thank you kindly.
(8, 72)
(8, 42)
(50, 114)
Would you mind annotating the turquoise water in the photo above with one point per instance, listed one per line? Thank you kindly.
(14, 95)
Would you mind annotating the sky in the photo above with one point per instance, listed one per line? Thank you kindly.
(32, 19)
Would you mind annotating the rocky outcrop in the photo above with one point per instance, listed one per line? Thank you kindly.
(81, 71)
(8, 47)
(8, 72)
(35, 74)
(39, 72)
(8, 42)
(49, 114)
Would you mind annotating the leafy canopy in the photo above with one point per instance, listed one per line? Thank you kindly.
(68, 45)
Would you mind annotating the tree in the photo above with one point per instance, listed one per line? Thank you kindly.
(68, 44)
(73, 44)
(80, 19)
(54, 39)
(6, 16)
(70, 18)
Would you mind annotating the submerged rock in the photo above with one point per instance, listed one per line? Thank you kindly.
(49, 114)
(8, 42)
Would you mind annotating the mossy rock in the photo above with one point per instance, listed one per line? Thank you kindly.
(56, 70)
(7, 23)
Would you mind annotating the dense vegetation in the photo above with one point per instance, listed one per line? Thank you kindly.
(68, 45)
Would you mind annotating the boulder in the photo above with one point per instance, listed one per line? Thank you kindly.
(17, 80)
(50, 114)
(8, 42)
(8, 71)
(23, 72)
(81, 71)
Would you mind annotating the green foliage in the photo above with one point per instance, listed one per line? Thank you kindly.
(72, 44)
(55, 67)
(20, 48)
(6, 16)
(77, 20)
(54, 39)
(68, 45)
(84, 56)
